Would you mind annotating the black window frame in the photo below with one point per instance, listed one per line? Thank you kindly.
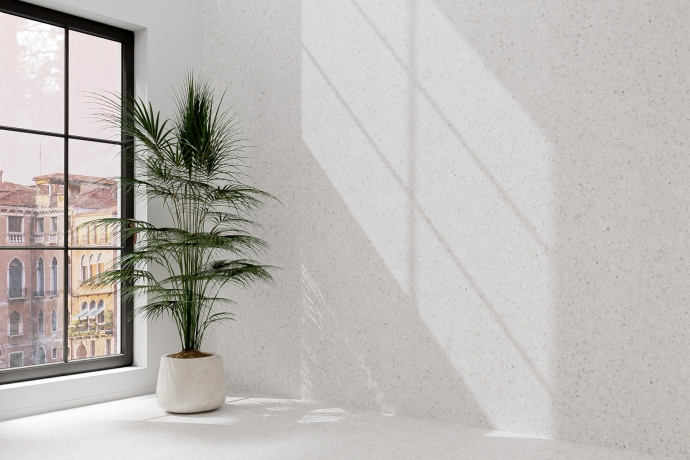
(77, 24)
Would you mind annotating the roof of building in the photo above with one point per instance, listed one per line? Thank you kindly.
(99, 193)
(101, 197)
(73, 178)
(12, 194)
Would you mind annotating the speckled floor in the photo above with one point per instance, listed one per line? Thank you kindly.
(265, 428)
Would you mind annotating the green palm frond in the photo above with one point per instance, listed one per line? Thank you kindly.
(194, 164)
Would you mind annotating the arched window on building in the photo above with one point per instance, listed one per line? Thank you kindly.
(16, 275)
(40, 278)
(84, 269)
(54, 276)
(81, 351)
(101, 315)
(15, 323)
(99, 262)
(84, 306)
(92, 265)
(41, 321)
(53, 322)
(54, 353)
(41, 356)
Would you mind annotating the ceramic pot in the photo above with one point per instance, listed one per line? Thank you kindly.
(191, 385)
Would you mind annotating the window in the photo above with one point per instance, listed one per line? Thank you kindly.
(92, 266)
(15, 323)
(16, 275)
(60, 171)
(14, 224)
(54, 277)
(41, 356)
(84, 269)
(40, 278)
(17, 359)
(99, 262)
(101, 312)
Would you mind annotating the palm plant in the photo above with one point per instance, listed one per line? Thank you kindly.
(193, 164)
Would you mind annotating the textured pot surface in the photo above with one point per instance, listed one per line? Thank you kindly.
(191, 385)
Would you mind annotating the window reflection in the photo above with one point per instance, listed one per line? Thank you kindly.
(32, 74)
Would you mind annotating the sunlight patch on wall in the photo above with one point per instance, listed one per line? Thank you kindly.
(449, 179)
(320, 327)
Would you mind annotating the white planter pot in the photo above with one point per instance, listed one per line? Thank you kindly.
(191, 385)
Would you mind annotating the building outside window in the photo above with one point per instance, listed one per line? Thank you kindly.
(67, 177)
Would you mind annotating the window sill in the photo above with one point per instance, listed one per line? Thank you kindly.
(32, 397)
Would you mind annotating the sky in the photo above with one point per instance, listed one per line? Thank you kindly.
(32, 97)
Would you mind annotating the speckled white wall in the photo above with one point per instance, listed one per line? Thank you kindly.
(484, 210)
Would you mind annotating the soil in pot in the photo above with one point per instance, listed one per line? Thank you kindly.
(187, 354)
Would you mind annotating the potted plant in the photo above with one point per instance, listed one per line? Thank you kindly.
(193, 165)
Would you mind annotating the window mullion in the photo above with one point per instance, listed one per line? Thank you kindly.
(65, 217)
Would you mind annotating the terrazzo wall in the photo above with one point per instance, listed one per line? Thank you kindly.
(484, 210)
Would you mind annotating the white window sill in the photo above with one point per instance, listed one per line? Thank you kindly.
(57, 393)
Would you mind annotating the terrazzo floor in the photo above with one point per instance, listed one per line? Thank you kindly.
(266, 428)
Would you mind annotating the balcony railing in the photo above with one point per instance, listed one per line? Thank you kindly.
(13, 294)
(39, 239)
(40, 293)
(15, 238)
(52, 237)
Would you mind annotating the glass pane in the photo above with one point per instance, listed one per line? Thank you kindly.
(94, 67)
(32, 62)
(31, 190)
(31, 307)
(94, 312)
(94, 172)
